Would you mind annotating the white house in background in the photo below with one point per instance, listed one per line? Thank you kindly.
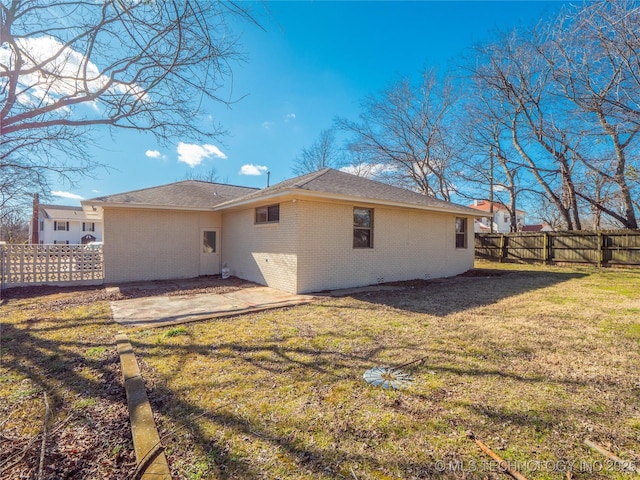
(321, 231)
(63, 225)
(501, 217)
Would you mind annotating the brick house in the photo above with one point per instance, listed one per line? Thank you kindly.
(325, 230)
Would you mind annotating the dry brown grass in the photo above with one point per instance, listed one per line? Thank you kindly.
(531, 359)
(61, 342)
(533, 362)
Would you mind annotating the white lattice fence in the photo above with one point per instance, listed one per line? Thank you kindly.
(22, 265)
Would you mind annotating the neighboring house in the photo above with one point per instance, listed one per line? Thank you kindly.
(324, 230)
(60, 224)
(501, 217)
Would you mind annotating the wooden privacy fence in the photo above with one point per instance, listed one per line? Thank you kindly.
(600, 248)
(24, 265)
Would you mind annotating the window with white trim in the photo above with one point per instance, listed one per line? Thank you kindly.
(61, 226)
(362, 227)
(461, 232)
(268, 214)
(88, 227)
(61, 242)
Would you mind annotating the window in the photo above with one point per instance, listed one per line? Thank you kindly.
(61, 242)
(270, 214)
(461, 233)
(362, 228)
(208, 242)
(88, 227)
(42, 225)
(61, 226)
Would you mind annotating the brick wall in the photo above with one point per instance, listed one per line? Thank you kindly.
(407, 244)
(264, 253)
(146, 244)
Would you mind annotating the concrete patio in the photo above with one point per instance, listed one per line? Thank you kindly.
(164, 310)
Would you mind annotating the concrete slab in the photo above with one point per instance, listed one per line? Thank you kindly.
(164, 310)
(151, 460)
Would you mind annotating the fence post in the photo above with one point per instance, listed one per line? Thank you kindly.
(2, 248)
(503, 241)
(545, 248)
(601, 258)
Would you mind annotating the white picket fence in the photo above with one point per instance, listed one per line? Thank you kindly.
(25, 265)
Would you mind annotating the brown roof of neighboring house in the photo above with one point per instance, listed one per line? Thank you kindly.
(533, 228)
(62, 212)
(191, 194)
(485, 206)
(334, 183)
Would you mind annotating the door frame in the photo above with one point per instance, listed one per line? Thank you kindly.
(204, 266)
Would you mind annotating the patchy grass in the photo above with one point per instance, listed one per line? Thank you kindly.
(531, 359)
(61, 342)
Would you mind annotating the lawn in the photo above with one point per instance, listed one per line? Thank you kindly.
(533, 360)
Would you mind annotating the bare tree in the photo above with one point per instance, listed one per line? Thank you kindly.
(322, 153)
(210, 176)
(520, 80)
(568, 91)
(491, 170)
(604, 88)
(406, 129)
(14, 227)
(70, 66)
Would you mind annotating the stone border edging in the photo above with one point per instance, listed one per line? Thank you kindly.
(150, 458)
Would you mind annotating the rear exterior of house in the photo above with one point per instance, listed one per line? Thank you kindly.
(155, 244)
(321, 231)
(165, 232)
(311, 248)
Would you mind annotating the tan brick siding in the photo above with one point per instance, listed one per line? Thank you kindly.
(407, 244)
(145, 244)
(309, 250)
(264, 254)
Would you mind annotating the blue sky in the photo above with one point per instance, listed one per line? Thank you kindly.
(313, 61)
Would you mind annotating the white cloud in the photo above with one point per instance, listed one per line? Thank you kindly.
(268, 125)
(154, 154)
(61, 71)
(254, 170)
(193, 154)
(60, 193)
(95, 191)
(289, 116)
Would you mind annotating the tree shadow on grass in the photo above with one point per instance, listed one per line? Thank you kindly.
(88, 433)
(337, 369)
(477, 288)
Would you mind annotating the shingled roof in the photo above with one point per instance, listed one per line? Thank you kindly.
(191, 194)
(61, 212)
(345, 185)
